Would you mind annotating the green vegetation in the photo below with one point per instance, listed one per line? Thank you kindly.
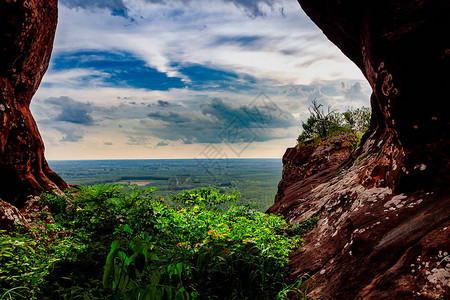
(255, 179)
(321, 125)
(116, 242)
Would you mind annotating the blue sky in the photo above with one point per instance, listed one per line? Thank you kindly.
(171, 78)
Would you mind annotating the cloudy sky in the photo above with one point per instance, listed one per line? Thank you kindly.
(187, 79)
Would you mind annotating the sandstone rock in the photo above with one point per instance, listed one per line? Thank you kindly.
(384, 223)
(320, 160)
(400, 47)
(27, 29)
(368, 238)
(34, 210)
(10, 216)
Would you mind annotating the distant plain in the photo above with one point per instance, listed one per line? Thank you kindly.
(255, 179)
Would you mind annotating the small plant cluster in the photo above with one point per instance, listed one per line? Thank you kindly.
(116, 242)
(321, 124)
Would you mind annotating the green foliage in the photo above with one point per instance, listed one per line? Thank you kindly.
(115, 242)
(357, 120)
(322, 124)
(307, 225)
(26, 259)
(296, 290)
(230, 253)
(205, 197)
(16, 261)
(101, 208)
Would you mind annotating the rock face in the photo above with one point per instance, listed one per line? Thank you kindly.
(27, 29)
(318, 162)
(384, 229)
(10, 216)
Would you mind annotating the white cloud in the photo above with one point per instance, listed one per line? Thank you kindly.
(287, 55)
(162, 35)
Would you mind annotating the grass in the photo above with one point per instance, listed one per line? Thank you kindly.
(117, 242)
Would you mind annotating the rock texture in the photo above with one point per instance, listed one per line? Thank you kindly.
(27, 29)
(10, 216)
(384, 229)
(316, 162)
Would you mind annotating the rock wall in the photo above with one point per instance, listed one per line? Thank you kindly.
(317, 162)
(384, 229)
(27, 29)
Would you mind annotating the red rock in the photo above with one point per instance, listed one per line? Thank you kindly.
(315, 163)
(384, 223)
(27, 29)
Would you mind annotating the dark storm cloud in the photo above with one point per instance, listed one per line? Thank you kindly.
(220, 111)
(215, 121)
(164, 104)
(260, 114)
(72, 111)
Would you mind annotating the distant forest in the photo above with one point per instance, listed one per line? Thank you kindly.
(255, 179)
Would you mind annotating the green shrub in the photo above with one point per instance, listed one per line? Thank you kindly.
(322, 124)
(357, 120)
(218, 253)
(25, 261)
(115, 242)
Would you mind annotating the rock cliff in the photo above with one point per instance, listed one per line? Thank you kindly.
(384, 229)
(27, 29)
(384, 210)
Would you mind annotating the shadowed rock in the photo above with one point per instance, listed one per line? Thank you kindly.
(27, 29)
(385, 222)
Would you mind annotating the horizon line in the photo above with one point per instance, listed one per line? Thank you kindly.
(91, 159)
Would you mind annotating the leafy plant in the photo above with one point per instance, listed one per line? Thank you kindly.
(25, 261)
(321, 124)
(357, 120)
(232, 252)
(297, 289)
(116, 242)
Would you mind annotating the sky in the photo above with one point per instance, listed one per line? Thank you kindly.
(143, 79)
